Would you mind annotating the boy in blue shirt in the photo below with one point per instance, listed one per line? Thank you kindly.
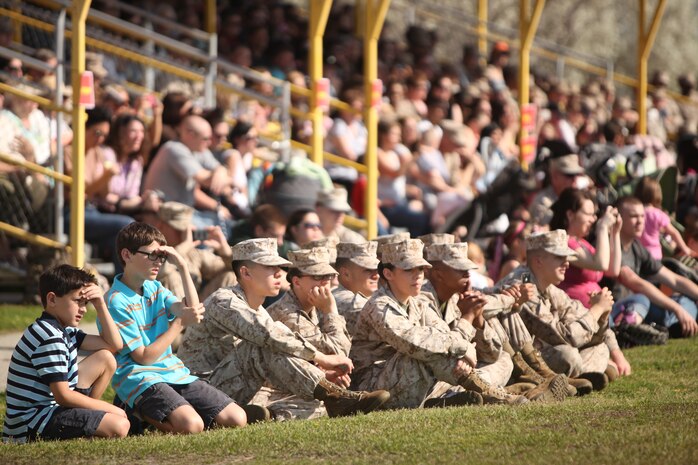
(149, 378)
(50, 395)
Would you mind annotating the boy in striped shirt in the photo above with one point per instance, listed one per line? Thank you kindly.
(150, 379)
(50, 395)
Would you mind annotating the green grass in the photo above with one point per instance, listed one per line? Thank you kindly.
(18, 317)
(650, 417)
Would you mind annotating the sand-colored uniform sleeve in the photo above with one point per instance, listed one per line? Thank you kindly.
(327, 333)
(256, 326)
(418, 332)
(557, 319)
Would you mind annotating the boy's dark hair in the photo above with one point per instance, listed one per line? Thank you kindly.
(238, 264)
(627, 200)
(63, 279)
(136, 235)
(293, 273)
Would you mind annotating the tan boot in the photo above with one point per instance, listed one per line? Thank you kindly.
(598, 380)
(490, 394)
(519, 389)
(535, 360)
(552, 390)
(523, 373)
(256, 413)
(612, 373)
(341, 402)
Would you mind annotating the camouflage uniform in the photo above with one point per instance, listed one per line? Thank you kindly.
(566, 333)
(326, 332)
(345, 234)
(244, 347)
(349, 305)
(406, 349)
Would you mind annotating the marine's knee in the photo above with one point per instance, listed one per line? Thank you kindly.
(567, 360)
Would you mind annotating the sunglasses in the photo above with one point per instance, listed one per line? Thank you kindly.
(100, 133)
(154, 256)
(312, 225)
(324, 277)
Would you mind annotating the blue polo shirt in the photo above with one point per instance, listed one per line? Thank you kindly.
(141, 319)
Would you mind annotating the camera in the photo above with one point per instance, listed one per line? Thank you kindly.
(199, 235)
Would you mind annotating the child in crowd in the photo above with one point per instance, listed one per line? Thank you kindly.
(150, 379)
(657, 222)
(50, 395)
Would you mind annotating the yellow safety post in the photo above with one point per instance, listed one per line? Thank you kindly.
(319, 12)
(375, 17)
(211, 14)
(527, 30)
(482, 16)
(646, 41)
(77, 191)
(16, 25)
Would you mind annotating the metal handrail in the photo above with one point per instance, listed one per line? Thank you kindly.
(10, 160)
(44, 102)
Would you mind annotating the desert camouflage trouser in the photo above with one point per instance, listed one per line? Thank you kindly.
(287, 406)
(573, 362)
(510, 327)
(243, 372)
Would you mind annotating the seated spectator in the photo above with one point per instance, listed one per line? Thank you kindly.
(30, 122)
(562, 173)
(575, 212)
(182, 167)
(331, 208)
(657, 222)
(399, 201)
(347, 139)
(123, 158)
(638, 268)
(510, 249)
(302, 227)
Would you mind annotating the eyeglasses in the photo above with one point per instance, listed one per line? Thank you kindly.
(318, 278)
(312, 225)
(154, 256)
(249, 137)
(100, 133)
(14, 68)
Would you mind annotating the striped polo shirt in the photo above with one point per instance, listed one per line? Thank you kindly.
(46, 353)
(141, 319)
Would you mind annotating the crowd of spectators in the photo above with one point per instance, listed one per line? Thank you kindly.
(447, 132)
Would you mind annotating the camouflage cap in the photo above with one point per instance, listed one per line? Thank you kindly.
(554, 242)
(362, 254)
(176, 215)
(405, 255)
(262, 251)
(329, 242)
(390, 239)
(334, 199)
(452, 255)
(313, 262)
(434, 238)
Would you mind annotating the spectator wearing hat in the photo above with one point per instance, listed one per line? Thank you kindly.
(209, 267)
(404, 346)
(563, 173)
(357, 266)
(572, 339)
(29, 121)
(331, 208)
(243, 347)
(499, 59)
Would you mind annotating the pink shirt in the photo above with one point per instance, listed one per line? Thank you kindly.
(655, 221)
(579, 282)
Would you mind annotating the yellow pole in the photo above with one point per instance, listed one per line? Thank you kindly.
(319, 12)
(77, 191)
(210, 19)
(375, 17)
(17, 25)
(527, 30)
(645, 41)
(482, 16)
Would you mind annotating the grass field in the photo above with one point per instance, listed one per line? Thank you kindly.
(650, 417)
(18, 317)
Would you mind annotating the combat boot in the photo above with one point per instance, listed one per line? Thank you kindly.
(458, 399)
(598, 380)
(256, 413)
(551, 390)
(523, 373)
(612, 373)
(535, 360)
(341, 402)
(490, 394)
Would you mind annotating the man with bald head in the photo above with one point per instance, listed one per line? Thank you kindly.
(182, 167)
